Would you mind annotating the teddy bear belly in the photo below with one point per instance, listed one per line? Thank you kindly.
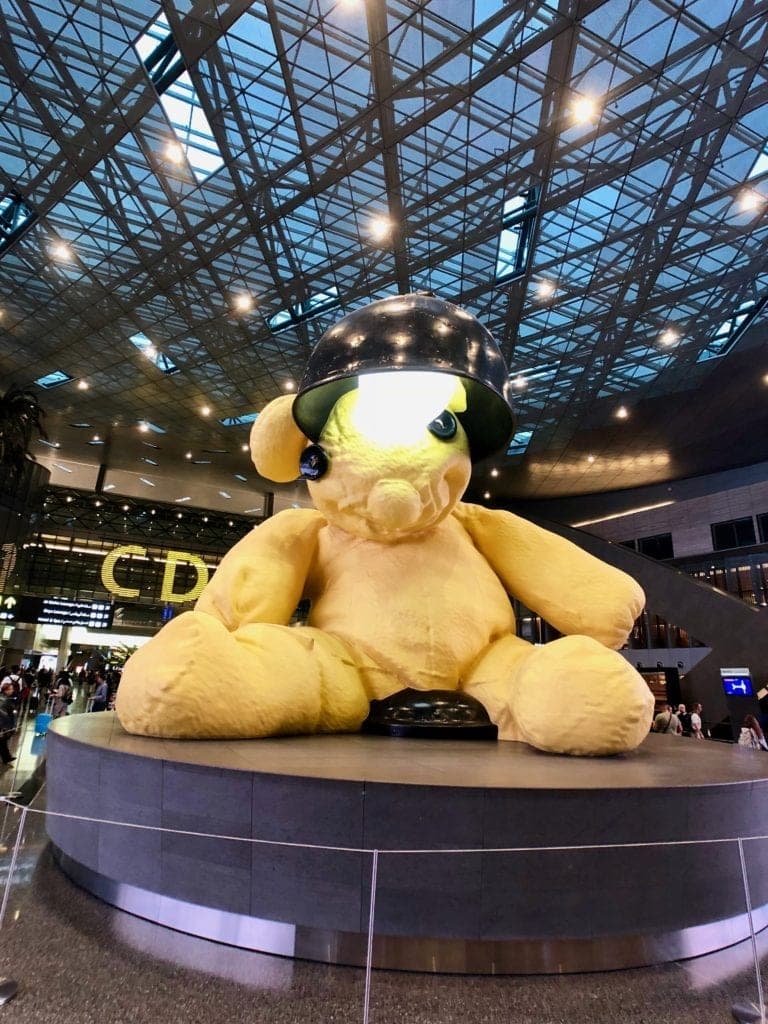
(422, 626)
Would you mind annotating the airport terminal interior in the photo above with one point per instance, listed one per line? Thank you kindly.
(194, 194)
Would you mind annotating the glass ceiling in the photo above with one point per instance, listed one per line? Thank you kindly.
(594, 190)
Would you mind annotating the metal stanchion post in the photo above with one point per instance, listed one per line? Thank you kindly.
(9, 987)
(369, 954)
(750, 1013)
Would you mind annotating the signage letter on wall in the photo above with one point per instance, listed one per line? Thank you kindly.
(108, 569)
(174, 559)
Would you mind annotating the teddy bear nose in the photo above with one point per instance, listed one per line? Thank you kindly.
(394, 504)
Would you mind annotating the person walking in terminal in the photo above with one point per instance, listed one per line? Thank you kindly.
(667, 721)
(100, 694)
(752, 735)
(696, 730)
(7, 721)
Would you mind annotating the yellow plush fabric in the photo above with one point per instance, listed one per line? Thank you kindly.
(571, 589)
(276, 442)
(408, 587)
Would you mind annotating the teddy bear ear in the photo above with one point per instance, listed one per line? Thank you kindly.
(276, 442)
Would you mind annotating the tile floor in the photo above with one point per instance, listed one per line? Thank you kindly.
(78, 960)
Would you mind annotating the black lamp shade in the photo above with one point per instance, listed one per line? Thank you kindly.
(410, 332)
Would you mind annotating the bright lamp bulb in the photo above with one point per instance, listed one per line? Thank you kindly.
(395, 408)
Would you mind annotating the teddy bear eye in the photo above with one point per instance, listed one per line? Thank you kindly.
(443, 426)
(313, 462)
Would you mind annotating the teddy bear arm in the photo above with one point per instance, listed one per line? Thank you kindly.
(574, 591)
(262, 578)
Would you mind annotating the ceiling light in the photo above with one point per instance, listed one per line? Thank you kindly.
(69, 500)
(519, 382)
(61, 250)
(95, 437)
(289, 385)
(622, 412)
(205, 410)
(230, 523)
(205, 519)
(750, 200)
(765, 378)
(188, 455)
(590, 458)
(174, 152)
(126, 507)
(97, 504)
(379, 228)
(486, 495)
(179, 515)
(82, 385)
(494, 472)
(584, 109)
(668, 337)
(545, 289)
(243, 302)
(244, 447)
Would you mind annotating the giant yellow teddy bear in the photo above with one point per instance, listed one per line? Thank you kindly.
(409, 586)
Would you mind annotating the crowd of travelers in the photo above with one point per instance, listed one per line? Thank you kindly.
(678, 721)
(24, 691)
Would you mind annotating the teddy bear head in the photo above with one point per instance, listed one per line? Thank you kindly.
(397, 400)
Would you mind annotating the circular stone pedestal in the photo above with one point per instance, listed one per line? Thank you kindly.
(605, 905)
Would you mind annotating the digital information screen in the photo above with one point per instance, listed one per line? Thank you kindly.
(737, 682)
(59, 611)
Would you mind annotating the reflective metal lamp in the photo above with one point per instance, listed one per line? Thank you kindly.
(417, 332)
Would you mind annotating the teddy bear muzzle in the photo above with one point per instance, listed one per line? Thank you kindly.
(393, 506)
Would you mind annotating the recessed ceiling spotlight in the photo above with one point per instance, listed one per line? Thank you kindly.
(622, 412)
(668, 337)
(584, 109)
(95, 437)
(494, 472)
(174, 152)
(188, 455)
(82, 385)
(126, 507)
(590, 458)
(69, 499)
(150, 351)
(486, 495)
(289, 385)
(244, 447)
(519, 382)
(143, 427)
(230, 523)
(61, 250)
(765, 378)
(97, 504)
(545, 289)
(243, 302)
(205, 410)
(379, 228)
(179, 515)
(750, 200)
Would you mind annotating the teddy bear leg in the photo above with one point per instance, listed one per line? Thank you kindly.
(196, 680)
(574, 696)
(488, 680)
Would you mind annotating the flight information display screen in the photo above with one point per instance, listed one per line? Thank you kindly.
(737, 682)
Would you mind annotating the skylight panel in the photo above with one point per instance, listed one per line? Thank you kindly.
(146, 347)
(53, 379)
(729, 331)
(520, 442)
(518, 216)
(239, 421)
(306, 310)
(165, 66)
(16, 217)
(760, 166)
